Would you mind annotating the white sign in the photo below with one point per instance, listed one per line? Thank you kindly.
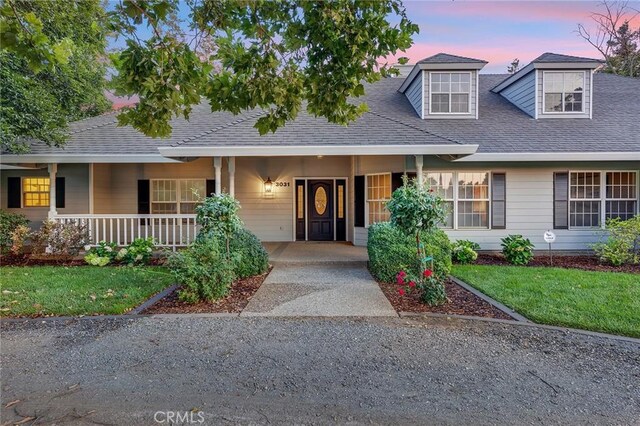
(549, 237)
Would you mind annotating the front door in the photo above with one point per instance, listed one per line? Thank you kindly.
(320, 208)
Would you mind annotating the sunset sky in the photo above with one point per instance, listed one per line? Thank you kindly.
(498, 31)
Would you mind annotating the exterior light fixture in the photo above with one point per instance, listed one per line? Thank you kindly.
(268, 186)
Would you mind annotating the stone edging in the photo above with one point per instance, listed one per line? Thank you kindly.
(409, 315)
(513, 314)
(152, 300)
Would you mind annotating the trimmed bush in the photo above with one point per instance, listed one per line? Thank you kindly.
(202, 270)
(623, 242)
(59, 239)
(248, 255)
(517, 249)
(9, 222)
(390, 251)
(465, 251)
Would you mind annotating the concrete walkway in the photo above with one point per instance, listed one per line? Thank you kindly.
(318, 279)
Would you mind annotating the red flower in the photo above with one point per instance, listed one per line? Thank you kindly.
(402, 274)
(400, 280)
(412, 284)
(427, 273)
(401, 291)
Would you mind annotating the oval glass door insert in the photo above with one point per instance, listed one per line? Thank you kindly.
(320, 200)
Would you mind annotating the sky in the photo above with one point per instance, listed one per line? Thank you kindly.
(499, 31)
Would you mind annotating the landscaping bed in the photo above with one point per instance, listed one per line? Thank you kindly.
(235, 301)
(459, 302)
(584, 262)
(44, 291)
(591, 300)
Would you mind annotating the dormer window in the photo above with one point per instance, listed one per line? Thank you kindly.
(563, 91)
(450, 92)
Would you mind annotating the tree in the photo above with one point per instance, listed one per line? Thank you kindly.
(52, 69)
(614, 38)
(514, 67)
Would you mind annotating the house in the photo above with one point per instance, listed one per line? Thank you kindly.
(553, 146)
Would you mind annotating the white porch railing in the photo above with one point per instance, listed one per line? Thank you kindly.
(168, 230)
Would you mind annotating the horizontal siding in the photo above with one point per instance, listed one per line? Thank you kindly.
(76, 190)
(414, 94)
(523, 93)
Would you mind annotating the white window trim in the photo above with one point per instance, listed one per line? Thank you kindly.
(366, 194)
(456, 198)
(603, 197)
(584, 94)
(177, 202)
(23, 192)
(450, 93)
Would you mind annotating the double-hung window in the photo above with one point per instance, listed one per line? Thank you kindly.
(443, 184)
(473, 200)
(172, 196)
(450, 92)
(563, 91)
(35, 192)
(378, 193)
(595, 196)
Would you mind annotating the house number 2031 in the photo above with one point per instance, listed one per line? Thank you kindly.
(282, 183)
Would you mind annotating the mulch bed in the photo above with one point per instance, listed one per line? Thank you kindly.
(237, 299)
(585, 262)
(460, 302)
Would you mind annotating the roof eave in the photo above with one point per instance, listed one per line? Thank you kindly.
(550, 156)
(312, 150)
(86, 158)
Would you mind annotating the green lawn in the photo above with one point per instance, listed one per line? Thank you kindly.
(85, 290)
(600, 301)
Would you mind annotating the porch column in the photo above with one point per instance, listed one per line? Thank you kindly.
(231, 163)
(217, 164)
(419, 163)
(53, 169)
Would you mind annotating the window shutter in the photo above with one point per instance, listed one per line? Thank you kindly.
(359, 199)
(14, 192)
(144, 196)
(60, 193)
(211, 187)
(396, 181)
(498, 201)
(560, 200)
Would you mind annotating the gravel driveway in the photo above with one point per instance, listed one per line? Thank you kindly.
(316, 371)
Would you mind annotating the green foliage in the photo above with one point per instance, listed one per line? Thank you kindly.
(274, 56)
(517, 249)
(390, 251)
(465, 251)
(249, 256)
(59, 239)
(218, 217)
(202, 270)
(623, 242)
(94, 259)
(137, 253)
(51, 67)
(9, 222)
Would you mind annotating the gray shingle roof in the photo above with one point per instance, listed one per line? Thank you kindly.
(445, 58)
(501, 127)
(549, 57)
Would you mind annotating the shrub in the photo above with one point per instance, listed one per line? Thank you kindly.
(19, 238)
(517, 249)
(623, 242)
(218, 216)
(95, 260)
(60, 239)
(8, 224)
(137, 253)
(390, 251)
(465, 251)
(101, 255)
(202, 270)
(248, 255)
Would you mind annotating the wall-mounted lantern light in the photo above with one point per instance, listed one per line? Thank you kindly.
(268, 187)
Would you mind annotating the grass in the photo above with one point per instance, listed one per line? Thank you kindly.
(599, 301)
(56, 290)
